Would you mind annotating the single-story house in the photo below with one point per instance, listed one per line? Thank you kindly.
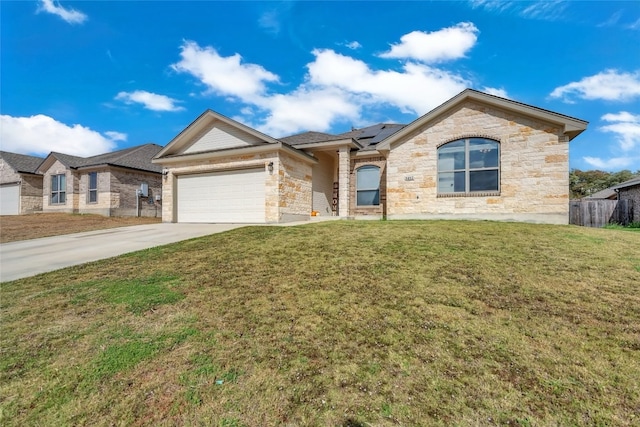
(476, 156)
(630, 190)
(120, 183)
(20, 184)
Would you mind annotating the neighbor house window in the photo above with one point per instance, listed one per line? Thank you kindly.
(469, 165)
(93, 187)
(368, 186)
(58, 189)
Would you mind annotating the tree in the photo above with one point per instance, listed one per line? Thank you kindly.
(585, 183)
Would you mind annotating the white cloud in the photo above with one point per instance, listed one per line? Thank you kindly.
(609, 85)
(353, 45)
(223, 75)
(71, 16)
(150, 101)
(614, 163)
(541, 10)
(495, 91)
(41, 134)
(626, 127)
(442, 45)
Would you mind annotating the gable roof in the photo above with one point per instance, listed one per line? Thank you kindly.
(138, 157)
(571, 126)
(630, 183)
(21, 163)
(200, 124)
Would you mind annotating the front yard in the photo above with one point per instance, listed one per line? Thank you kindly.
(24, 227)
(341, 323)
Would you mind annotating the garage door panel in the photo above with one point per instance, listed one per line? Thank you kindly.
(10, 199)
(230, 196)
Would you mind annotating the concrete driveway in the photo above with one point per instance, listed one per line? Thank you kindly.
(30, 257)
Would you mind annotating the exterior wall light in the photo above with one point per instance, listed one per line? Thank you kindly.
(270, 166)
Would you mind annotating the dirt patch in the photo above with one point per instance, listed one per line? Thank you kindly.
(25, 227)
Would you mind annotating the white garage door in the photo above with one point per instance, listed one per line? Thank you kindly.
(230, 196)
(10, 200)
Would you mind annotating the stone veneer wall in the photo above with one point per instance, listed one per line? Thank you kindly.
(295, 188)
(123, 186)
(364, 212)
(31, 194)
(632, 193)
(30, 187)
(71, 204)
(534, 169)
(169, 183)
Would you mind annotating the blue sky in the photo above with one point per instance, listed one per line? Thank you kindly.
(88, 77)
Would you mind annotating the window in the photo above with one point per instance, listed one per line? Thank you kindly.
(93, 187)
(469, 166)
(368, 186)
(58, 189)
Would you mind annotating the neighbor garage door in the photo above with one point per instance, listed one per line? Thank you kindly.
(10, 199)
(230, 196)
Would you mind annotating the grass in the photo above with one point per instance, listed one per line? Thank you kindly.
(24, 227)
(339, 323)
(634, 226)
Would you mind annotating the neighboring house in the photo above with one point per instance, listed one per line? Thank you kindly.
(107, 184)
(607, 193)
(20, 184)
(630, 190)
(476, 156)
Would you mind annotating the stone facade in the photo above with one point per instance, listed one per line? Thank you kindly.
(534, 169)
(30, 188)
(287, 187)
(71, 191)
(632, 193)
(368, 212)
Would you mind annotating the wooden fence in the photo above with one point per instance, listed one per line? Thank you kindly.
(598, 213)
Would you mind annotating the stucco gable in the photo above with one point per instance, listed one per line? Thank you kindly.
(213, 132)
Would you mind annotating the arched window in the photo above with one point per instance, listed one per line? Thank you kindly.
(470, 165)
(368, 186)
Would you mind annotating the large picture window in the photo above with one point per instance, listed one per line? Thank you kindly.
(93, 187)
(469, 165)
(58, 189)
(368, 186)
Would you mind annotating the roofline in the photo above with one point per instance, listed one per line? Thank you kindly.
(572, 126)
(328, 144)
(194, 127)
(112, 165)
(254, 149)
(630, 183)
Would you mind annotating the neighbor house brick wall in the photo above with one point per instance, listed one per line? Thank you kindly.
(31, 194)
(123, 186)
(534, 169)
(294, 188)
(30, 187)
(261, 160)
(71, 203)
(632, 193)
(366, 211)
(103, 204)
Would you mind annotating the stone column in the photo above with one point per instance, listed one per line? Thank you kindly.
(344, 166)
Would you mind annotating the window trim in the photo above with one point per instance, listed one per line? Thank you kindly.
(468, 170)
(358, 190)
(61, 191)
(91, 190)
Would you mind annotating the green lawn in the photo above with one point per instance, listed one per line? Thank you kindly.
(349, 323)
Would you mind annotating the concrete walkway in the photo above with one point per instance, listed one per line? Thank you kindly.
(30, 257)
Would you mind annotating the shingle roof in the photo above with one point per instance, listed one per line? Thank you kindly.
(367, 137)
(629, 183)
(138, 157)
(21, 162)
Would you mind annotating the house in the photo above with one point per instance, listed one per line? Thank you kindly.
(630, 190)
(477, 156)
(20, 184)
(120, 183)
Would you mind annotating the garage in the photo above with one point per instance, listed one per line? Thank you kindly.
(10, 199)
(228, 196)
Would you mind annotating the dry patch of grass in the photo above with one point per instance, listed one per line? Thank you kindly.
(340, 323)
(24, 227)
